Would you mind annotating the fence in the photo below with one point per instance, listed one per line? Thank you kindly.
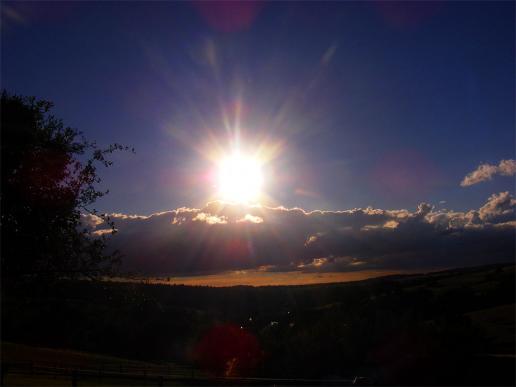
(154, 375)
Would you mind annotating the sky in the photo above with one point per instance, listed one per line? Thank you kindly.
(356, 105)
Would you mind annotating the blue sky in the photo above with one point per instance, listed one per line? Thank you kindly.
(381, 104)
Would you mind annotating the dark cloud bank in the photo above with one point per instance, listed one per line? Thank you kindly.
(222, 237)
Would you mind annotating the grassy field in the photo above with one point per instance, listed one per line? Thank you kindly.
(498, 323)
(31, 366)
(49, 380)
(35, 366)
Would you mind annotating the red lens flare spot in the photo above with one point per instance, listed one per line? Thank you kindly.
(229, 16)
(228, 350)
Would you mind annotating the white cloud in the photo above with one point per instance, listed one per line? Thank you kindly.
(250, 218)
(209, 219)
(499, 208)
(90, 221)
(486, 172)
(223, 236)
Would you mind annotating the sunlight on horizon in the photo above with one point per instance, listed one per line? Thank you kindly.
(262, 278)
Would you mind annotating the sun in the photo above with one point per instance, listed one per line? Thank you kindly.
(240, 178)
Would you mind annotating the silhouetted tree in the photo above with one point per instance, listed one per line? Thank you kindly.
(49, 179)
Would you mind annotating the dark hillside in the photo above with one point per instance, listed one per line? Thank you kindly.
(450, 327)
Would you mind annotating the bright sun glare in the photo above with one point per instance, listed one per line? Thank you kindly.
(240, 178)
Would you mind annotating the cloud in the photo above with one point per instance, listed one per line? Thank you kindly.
(90, 221)
(499, 208)
(332, 264)
(486, 172)
(250, 218)
(223, 237)
(209, 219)
(103, 232)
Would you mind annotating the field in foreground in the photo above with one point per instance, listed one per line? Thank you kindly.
(448, 328)
(29, 365)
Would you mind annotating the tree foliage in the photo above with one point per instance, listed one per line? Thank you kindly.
(49, 178)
